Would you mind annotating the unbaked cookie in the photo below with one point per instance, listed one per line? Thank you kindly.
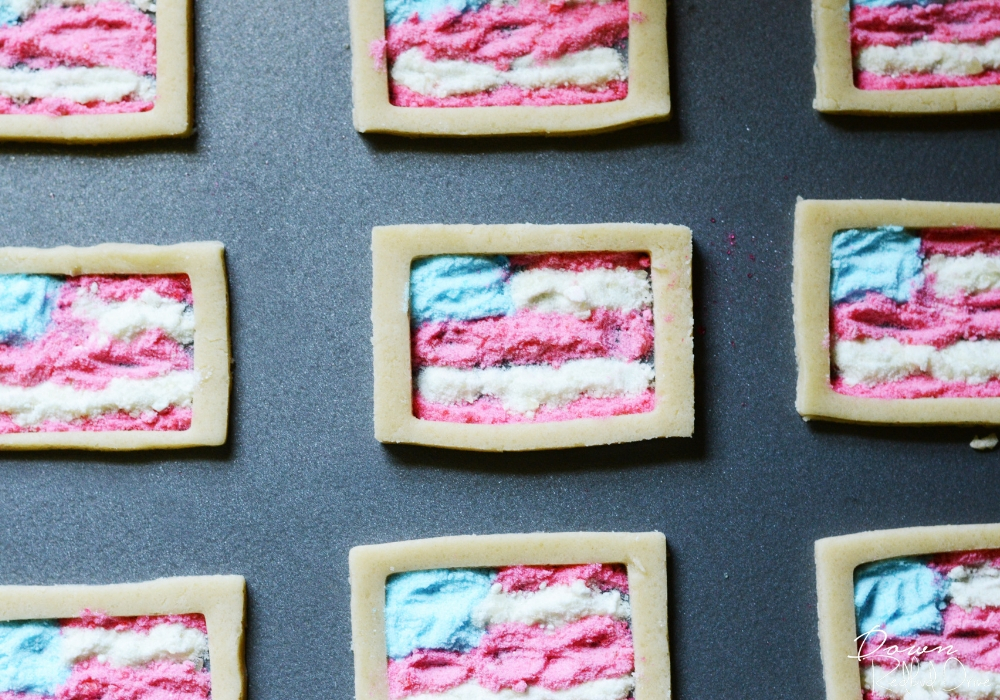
(113, 347)
(895, 311)
(180, 638)
(910, 613)
(907, 56)
(471, 67)
(94, 70)
(570, 615)
(528, 337)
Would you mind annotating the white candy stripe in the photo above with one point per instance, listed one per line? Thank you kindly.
(876, 361)
(591, 67)
(605, 689)
(26, 8)
(166, 642)
(974, 586)
(127, 319)
(524, 389)
(560, 291)
(931, 681)
(930, 57)
(48, 401)
(887, 360)
(554, 605)
(78, 84)
(969, 274)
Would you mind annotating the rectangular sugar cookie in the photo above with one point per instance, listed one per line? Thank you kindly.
(895, 308)
(591, 607)
(475, 68)
(525, 337)
(114, 347)
(906, 57)
(115, 70)
(910, 612)
(177, 637)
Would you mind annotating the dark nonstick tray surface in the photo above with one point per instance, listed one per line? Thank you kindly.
(278, 174)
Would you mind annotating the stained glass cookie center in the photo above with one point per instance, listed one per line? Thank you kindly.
(531, 338)
(162, 657)
(915, 313)
(478, 634)
(928, 626)
(473, 53)
(96, 352)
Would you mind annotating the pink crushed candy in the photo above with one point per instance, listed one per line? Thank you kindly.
(143, 623)
(532, 338)
(531, 578)
(109, 34)
(377, 50)
(514, 655)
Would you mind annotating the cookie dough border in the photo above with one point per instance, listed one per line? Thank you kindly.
(836, 559)
(648, 97)
(221, 599)
(815, 223)
(171, 116)
(644, 554)
(204, 263)
(395, 247)
(834, 69)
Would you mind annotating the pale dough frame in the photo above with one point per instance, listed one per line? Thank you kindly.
(836, 559)
(815, 223)
(170, 117)
(221, 599)
(834, 69)
(395, 247)
(204, 263)
(648, 97)
(644, 554)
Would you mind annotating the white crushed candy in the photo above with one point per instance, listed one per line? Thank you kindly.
(984, 443)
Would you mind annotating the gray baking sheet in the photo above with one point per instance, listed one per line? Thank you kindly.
(278, 174)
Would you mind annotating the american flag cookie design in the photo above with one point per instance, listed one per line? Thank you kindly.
(543, 632)
(162, 657)
(94, 70)
(472, 67)
(514, 348)
(896, 311)
(504, 339)
(910, 613)
(498, 630)
(929, 626)
(907, 56)
(907, 44)
(190, 648)
(93, 356)
(96, 352)
(526, 52)
(59, 58)
(916, 312)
